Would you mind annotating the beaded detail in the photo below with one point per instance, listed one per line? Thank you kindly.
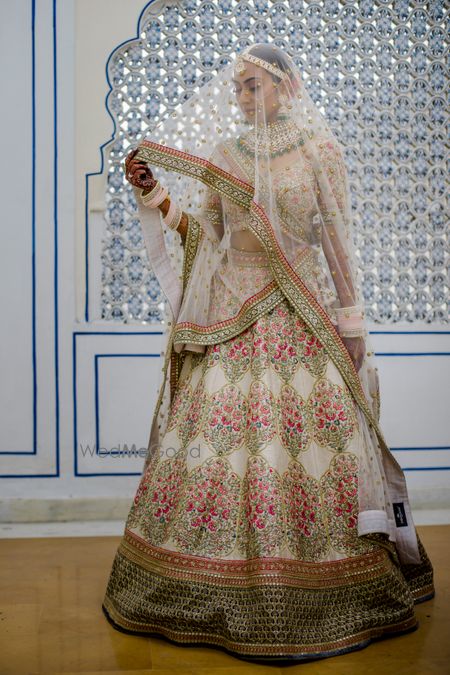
(271, 67)
(276, 138)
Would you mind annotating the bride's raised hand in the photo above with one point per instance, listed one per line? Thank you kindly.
(138, 173)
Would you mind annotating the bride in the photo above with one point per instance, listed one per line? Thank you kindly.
(271, 518)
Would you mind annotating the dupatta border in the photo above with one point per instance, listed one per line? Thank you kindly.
(193, 237)
(254, 307)
(295, 290)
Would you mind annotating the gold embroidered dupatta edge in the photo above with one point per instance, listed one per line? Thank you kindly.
(309, 310)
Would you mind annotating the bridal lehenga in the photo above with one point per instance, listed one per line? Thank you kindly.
(271, 518)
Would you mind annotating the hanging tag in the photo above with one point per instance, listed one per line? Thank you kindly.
(400, 514)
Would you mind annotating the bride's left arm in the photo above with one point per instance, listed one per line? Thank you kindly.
(334, 241)
(350, 314)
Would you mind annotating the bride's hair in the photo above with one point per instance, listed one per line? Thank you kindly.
(273, 55)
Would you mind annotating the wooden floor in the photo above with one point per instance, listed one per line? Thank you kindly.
(51, 621)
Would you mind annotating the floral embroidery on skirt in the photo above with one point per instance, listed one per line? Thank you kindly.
(264, 444)
(244, 528)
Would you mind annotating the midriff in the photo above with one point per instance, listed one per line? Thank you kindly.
(245, 240)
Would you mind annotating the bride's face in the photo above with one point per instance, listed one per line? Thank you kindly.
(256, 93)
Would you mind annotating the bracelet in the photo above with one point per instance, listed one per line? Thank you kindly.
(173, 216)
(350, 321)
(156, 196)
(155, 189)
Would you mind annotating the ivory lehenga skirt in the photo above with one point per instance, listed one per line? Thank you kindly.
(243, 529)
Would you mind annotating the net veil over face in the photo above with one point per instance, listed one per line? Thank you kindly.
(261, 128)
(256, 167)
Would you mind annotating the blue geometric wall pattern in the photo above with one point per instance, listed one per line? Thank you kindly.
(378, 73)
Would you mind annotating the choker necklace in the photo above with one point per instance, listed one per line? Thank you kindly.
(276, 138)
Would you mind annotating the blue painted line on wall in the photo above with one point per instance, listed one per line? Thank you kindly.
(412, 353)
(33, 239)
(426, 468)
(33, 216)
(55, 220)
(138, 473)
(74, 401)
(56, 474)
(75, 335)
(96, 386)
(410, 332)
(427, 447)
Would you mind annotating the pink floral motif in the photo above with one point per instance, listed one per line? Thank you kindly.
(157, 497)
(235, 356)
(141, 492)
(323, 514)
(306, 533)
(207, 519)
(293, 421)
(182, 398)
(340, 498)
(212, 356)
(261, 525)
(191, 423)
(333, 415)
(311, 351)
(260, 350)
(282, 350)
(260, 423)
(225, 421)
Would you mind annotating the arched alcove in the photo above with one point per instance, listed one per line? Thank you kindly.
(376, 71)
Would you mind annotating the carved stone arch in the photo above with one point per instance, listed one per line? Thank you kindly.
(377, 74)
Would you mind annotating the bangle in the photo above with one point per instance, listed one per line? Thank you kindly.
(173, 216)
(350, 321)
(155, 189)
(156, 196)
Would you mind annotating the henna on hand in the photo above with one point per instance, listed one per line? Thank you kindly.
(138, 173)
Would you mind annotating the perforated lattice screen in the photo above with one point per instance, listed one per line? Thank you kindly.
(376, 70)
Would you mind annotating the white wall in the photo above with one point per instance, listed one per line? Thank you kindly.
(67, 383)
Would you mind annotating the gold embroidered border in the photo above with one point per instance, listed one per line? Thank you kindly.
(191, 242)
(280, 649)
(242, 618)
(219, 180)
(294, 295)
(315, 317)
(254, 307)
(254, 571)
(193, 237)
(243, 166)
(295, 290)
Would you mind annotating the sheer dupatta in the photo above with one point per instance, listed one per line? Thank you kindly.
(276, 187)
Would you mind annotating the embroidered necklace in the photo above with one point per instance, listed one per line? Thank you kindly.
(277, 138)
